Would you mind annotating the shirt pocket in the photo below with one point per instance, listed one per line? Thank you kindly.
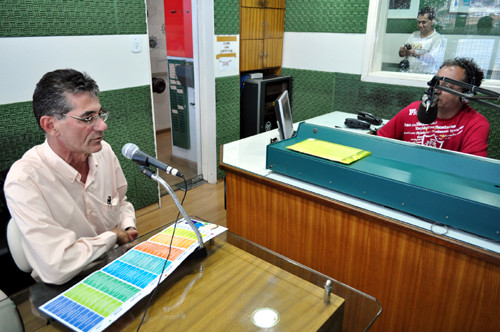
(107, 213)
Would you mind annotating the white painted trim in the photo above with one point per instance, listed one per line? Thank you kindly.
(196, 127)
(207, 90)
(375, 33)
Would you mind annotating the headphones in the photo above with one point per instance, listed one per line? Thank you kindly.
(471, 79)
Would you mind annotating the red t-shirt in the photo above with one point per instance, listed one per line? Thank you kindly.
(466, 132)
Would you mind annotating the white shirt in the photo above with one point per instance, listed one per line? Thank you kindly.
(430, 51)
(64, 223)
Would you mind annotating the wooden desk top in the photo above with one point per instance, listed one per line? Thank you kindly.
(220, 292)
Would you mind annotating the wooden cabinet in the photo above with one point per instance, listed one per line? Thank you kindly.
(263, 3)
(261, 34)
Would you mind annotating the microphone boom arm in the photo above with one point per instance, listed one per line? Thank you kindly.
(488, 94)
(146, 171)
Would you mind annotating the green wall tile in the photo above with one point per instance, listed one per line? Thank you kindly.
(18, 131)
(227, 103)
(407, 26)
(71, 18)
(339, 16)
(131, 121)
(226, 17)
(312, 92)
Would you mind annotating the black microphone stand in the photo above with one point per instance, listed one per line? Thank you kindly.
(152, 175)
(488, 94)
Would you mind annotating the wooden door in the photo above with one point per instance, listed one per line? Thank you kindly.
(253, 3)
(273, 53)
(251, 54)
(274, 23)
(275, 4)
(251, 23)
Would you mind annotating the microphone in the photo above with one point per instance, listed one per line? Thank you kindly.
(427, 110)
(132, 152)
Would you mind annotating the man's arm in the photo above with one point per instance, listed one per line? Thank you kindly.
(55, 253)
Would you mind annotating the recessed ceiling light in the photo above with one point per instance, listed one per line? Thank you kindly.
(265, 317)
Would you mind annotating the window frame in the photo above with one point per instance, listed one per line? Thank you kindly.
(375, 34)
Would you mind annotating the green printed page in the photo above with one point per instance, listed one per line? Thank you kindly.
(112, 286)
(328, 150)
(91, 298)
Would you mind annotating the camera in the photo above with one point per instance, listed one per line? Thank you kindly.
(404, 65)
(408, 46)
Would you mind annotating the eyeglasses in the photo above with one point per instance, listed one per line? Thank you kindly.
(449, 86)
(91, 120)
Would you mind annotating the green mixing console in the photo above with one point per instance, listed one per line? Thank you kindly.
(446, 187)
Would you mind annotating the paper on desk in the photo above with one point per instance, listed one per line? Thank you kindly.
(328, 150)
(100, 299)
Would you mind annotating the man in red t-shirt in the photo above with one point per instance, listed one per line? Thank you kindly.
(458, 126)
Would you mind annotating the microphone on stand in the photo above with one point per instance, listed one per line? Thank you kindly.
(132, 152)
(427, 110)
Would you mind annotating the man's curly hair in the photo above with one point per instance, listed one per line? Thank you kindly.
(473, 74)
(429, 11)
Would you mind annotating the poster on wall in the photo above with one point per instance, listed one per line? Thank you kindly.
(226, 50)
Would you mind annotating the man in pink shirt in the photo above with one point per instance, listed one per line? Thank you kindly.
(458, 126)
(67, 195)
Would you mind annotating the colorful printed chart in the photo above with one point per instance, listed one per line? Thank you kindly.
(100, 299)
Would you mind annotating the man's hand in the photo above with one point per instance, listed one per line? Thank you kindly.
(123, 236)
(132, 233)
(403, 51)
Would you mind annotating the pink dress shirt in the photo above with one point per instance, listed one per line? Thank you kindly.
(65, 224)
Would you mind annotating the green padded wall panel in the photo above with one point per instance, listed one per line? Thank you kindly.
(384, 100)
(226, 17)
(227, 103)
(401, 26)
(18, 132)
(130, 121)
(339, 16)
(493, 117)
(71, 18)
(312, 92)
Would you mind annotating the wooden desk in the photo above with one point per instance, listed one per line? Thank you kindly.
(220, 292)
(424, 281)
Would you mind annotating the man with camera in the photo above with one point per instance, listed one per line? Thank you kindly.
(424, 49)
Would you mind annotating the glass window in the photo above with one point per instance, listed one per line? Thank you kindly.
(407, 40)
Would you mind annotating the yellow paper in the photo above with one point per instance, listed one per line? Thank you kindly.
(331, 151)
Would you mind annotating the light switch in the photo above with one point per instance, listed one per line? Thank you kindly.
(135, 44)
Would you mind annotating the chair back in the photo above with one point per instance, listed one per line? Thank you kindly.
(9, 315)
(16, 248)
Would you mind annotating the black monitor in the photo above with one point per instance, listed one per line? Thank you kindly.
(284, 116)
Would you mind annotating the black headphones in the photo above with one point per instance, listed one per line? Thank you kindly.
(471, 78)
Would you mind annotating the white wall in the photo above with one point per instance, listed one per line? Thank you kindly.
(330, 52)
(107, 59)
